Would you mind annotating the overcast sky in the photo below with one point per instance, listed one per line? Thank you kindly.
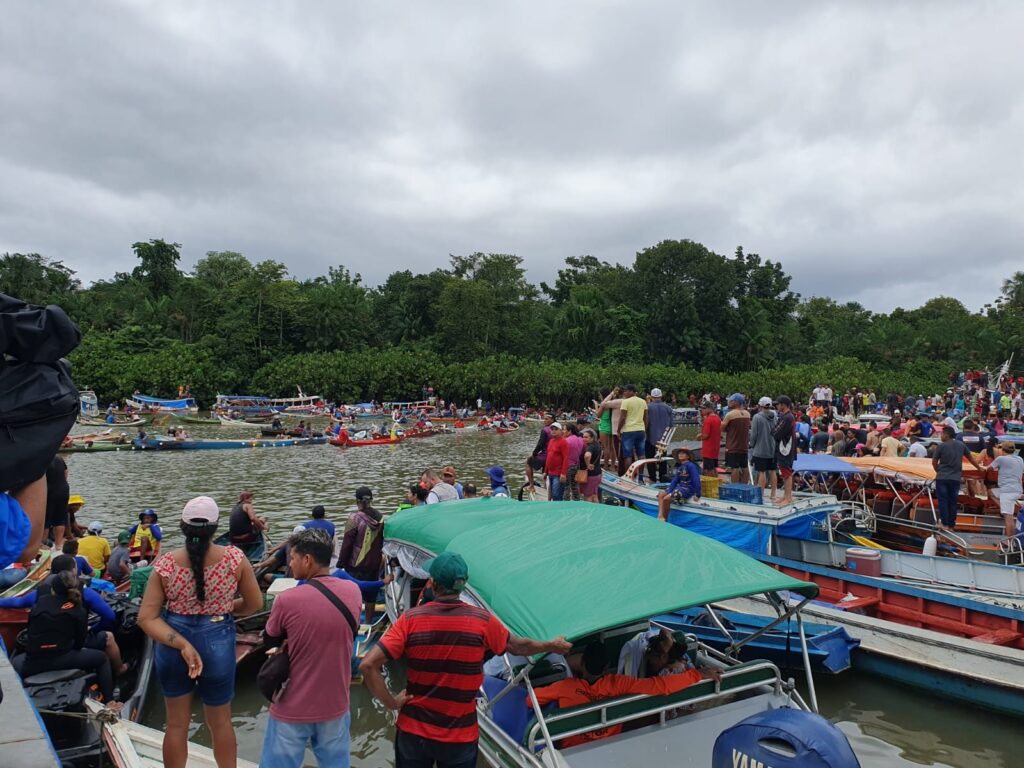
(857, 143)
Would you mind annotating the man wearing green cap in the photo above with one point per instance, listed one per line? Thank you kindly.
(119, 566)
(445, 642)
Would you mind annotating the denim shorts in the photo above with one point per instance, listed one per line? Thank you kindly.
(213, 637)
(633, 443)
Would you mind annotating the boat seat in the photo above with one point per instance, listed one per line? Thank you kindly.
(765, 675)
(511, 713)
(53, 676)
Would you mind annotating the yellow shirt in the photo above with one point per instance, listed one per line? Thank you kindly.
(96, 550)
(634, 408)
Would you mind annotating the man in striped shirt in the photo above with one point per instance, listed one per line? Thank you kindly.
(445, 643)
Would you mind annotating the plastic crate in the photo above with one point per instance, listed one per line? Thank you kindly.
(709, 486)
(748, 494)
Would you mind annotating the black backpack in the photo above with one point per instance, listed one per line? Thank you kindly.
(38, 399)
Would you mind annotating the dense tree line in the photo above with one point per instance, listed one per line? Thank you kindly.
(479, 328)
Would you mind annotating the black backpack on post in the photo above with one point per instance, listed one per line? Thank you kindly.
(38, 399)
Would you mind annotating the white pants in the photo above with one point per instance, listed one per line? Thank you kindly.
(1007, 501)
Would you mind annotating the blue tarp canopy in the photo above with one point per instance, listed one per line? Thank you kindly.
(183, 403)
(823, 462)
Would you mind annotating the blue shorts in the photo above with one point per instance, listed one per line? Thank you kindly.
(633, 443)
(213, 637)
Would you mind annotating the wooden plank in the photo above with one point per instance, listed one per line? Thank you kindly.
(998, 637)
(23, 742)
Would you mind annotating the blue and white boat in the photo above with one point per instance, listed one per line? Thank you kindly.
(151, 404)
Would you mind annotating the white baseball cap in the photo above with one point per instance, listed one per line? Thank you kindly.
(298, 528)
(96, 526)
(765, 402)
(655, 392)
(201, 509)
(556, 425)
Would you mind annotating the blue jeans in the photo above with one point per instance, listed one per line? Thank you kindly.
(948, 492)
(556, 488)
(213, 637)
(284, 745)
(413, 751)
(633, 445)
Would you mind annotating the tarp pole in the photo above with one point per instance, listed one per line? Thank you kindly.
(794, 611)
(807, 662)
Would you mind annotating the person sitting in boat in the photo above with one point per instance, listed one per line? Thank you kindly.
(70, 548)
(275, 423)
(596, 684)
(119, 566)
(99, 635)
(58, 634)
(499, 483)
(421, 423)
(244, 526)
(94, 548)
(110, 415)
(685, 484)
(276, 562)
(146, 536)
(141, 435)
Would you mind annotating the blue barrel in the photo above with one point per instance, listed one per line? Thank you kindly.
(783, 738)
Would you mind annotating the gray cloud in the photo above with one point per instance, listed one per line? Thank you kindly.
(854, 143)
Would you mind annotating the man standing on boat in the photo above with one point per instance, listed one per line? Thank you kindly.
(659, 422)
(633, 419)
(445, 642)
(736, 426)
(1008, 489)
(948, 463)
(556, 465)
(784, 434)
(539, 453)
(710, 438)
(762, 446)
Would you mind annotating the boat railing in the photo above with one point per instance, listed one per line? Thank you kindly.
(1011, 551)
(741, 678)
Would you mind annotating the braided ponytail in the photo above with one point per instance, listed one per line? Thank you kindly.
(197, 544)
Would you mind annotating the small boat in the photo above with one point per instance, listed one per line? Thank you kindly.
(270, 432)
(169, 444)
(250, 421)
(302, 405)
(13, 620)
(131, 745)
(161, 405)
(187, 419)
(556, 585)
(345, 441)
(829, 647)
(64, 697)
(118, 422)
(505, 430)
(98, 447)
(254, 551)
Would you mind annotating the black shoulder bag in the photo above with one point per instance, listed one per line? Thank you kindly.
(273, 675)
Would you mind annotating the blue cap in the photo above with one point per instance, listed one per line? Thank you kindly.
(736, 396)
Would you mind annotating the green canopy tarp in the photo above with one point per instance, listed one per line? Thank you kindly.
(573, 568)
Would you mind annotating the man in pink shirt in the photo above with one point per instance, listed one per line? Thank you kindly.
(576, 446)
(318, 619)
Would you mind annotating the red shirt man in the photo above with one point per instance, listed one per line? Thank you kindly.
(444, 642)
(556, 463)
(710, 439)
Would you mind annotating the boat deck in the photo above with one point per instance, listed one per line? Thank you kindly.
(23, 740)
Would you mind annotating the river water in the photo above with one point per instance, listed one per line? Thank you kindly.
(888, 725)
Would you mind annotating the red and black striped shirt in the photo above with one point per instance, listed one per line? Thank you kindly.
(445, 644)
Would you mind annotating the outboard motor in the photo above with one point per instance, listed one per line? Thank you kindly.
(783, 738)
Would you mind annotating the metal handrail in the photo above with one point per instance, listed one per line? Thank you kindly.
(603, 706)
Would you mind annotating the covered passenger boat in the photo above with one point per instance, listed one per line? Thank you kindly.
(594, 574)
(160, 405)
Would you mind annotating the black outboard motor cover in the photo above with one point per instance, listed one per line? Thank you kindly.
(64, 696)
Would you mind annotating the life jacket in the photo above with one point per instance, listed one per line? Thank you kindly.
(55, 624)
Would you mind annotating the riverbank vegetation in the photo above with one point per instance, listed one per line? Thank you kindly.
(680, 317)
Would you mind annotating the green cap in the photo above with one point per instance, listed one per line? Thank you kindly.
(124, 537)
(448, 570)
